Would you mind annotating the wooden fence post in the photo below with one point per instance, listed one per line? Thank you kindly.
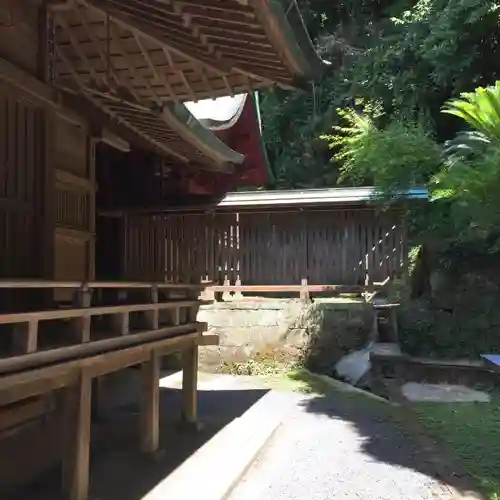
(238, 295)
(304, 294)
(227, 294)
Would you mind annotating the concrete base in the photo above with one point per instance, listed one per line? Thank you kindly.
(219, 464)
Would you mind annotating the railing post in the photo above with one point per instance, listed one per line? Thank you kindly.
(207, 293)
(238, 295)
(304, 293)
(82, 325)
(226, 295)
(25, 337)
(153, 316)
(121, 321)
(175, 315)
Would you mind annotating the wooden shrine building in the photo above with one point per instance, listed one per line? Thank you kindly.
(92, 123)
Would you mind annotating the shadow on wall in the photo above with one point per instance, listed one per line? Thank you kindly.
(331, 331)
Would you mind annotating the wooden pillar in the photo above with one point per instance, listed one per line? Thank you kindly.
(76, 458)
(189, 384)
(150, 404)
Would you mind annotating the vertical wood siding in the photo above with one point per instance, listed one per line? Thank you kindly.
(22, 143)
(281, 248)
(144, 248)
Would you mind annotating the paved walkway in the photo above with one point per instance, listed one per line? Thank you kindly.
(341, 448)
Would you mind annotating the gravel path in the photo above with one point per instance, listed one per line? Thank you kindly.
(341, 448)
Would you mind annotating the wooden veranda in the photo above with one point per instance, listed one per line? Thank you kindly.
(89, 89)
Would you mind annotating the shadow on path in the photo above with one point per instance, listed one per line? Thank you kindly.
(387, 435)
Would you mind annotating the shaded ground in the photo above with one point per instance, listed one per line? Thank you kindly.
(120, 472)
(342, 446)
(332, 445)
(471, 433)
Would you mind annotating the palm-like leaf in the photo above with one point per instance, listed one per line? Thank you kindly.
(480, 109)
(466, 144)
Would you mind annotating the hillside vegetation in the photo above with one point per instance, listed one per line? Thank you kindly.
(410, 99)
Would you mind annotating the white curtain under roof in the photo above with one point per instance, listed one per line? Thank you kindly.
(220, 111)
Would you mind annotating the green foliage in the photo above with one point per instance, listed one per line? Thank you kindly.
(470, 431)
(398, 157)
(408, 56)
(481, 111)
(414, 59)
(473, 189)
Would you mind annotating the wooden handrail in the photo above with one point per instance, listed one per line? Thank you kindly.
(24, 317)
(99, 284)
(60, 354)
(28, 383)
(287, 288)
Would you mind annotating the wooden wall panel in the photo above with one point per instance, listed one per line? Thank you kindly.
(22, 190)
(281, 248)
(69, 255)
(19, 34)
(74, 204)
(21, 183)
(144, 248)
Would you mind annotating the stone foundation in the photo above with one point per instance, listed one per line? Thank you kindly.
(320, 332)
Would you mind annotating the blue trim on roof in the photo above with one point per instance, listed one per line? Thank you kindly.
(327, 196)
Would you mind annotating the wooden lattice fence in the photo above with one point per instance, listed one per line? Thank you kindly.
(282, 248)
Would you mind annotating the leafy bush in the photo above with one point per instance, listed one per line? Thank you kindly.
(471, 188)
(395, 158)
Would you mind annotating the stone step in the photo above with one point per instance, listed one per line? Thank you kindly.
(214, 470)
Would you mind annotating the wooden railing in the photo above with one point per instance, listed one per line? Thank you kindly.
(93, 329)
(304, 290)
(137, 333)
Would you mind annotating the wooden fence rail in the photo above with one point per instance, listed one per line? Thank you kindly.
(84, 325)
(139, 334)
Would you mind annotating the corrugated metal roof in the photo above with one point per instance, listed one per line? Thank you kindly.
(328, 196)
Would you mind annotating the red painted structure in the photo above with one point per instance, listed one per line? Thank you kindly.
(242, 134)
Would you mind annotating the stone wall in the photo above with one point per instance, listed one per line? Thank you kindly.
(320, 331)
